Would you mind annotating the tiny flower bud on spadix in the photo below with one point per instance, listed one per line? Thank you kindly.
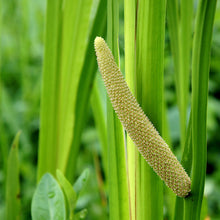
(148, 141)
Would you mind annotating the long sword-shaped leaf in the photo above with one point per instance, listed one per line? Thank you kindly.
(48, 146)
(132, 152)
(179, 16)
(67, 28)
(75, 30)
(12, 183)
(185, 43)
(85, 86)
(200, 77)
(180, 30)
(118, 188)
(150, 56)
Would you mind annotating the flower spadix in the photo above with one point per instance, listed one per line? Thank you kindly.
(148, 141)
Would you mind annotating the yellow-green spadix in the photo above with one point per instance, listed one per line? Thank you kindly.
(148, 141)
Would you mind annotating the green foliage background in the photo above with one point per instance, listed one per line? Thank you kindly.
(21, 55)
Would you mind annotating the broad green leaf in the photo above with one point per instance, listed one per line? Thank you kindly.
(13, 183)
(68, 191)
(48, 201)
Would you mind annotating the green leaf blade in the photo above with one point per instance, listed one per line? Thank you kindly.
(69, 193)
(150, 68)
(132, 151)
(84, 88)
(81, 182)
(49, 102)
(200, 77)
(13, 203)
(74, 46)
(48, 201)
(118, 185)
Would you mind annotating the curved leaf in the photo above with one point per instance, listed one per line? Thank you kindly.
(68, 191)
(81, 182)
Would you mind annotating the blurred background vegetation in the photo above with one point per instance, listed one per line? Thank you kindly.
(22, 25)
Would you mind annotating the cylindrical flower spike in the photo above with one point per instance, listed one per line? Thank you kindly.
(148, 141)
